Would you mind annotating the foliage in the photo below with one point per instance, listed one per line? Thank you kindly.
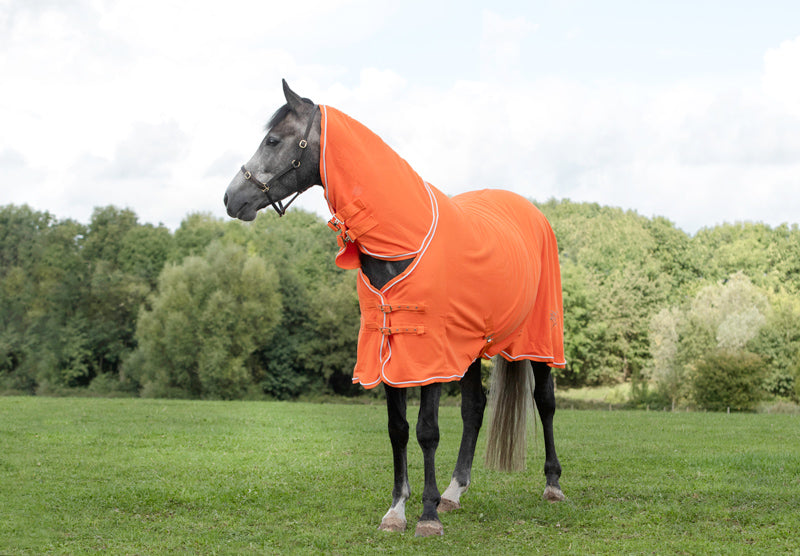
(320, 319)
(729, 380)
(779, 343)
(644, 302)
(200, 329)
(615, 277)
(666, 371)
(194, 234)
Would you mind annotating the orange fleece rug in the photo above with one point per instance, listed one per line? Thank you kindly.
(484, 281)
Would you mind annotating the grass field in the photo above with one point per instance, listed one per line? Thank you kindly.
(129, 476)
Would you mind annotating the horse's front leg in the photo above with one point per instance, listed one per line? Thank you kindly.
(545, 398)
(395, 518)
(428, 438)
(473, 403)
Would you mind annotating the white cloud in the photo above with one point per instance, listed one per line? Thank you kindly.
(690, 151)
(149, 151)
(781, 80)
(152, 106)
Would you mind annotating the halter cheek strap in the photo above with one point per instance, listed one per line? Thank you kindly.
(278, 205)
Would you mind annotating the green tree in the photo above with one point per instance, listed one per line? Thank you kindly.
(768, 257)
(202, 326)
(320, 316)
(729, 379)
(583, 330)
(614, 280)
(717, 327)
(21, 230)
(778, 342)
(195, 233)
(665, 370)
(105, 236)
(113, 303)
(673, 255)
(735, 310)
(144, 251)
(60, 353)
(123, 259)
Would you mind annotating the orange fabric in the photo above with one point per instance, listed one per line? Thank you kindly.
(485, 278)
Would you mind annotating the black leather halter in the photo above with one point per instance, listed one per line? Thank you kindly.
(278, 205)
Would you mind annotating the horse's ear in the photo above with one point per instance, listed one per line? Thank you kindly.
(292, 99)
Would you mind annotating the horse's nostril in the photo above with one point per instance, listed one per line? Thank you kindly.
(225, 200)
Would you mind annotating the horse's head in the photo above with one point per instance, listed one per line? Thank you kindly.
(286, 162)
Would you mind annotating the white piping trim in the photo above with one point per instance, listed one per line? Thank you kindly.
(426, 185)
(540, 358)
(323, 164)
(421, 253)
(431, 379)
(425, 242)
(384, 340)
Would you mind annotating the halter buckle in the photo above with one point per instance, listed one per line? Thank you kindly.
(302, 144)
(295, 164)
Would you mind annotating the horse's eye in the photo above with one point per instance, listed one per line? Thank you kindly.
(271, 140)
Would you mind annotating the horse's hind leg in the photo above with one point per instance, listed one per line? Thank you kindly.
(428, 437)
(395, 518)
(544, 396)
(473, 402)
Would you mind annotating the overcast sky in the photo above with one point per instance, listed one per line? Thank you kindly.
(684, 109)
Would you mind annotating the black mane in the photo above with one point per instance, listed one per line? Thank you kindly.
(281, 113)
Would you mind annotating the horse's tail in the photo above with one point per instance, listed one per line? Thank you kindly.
(510, 399)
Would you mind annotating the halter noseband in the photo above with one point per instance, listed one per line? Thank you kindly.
(278, 205)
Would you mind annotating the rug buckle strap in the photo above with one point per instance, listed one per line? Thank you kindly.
(414, 307)
(390, 330)
(352, 232)
(414, 329)
(338, 221)
(343, 222)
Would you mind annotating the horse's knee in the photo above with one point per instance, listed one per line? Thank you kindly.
(397, 423)
(398, 432)
(545, 402)
(427, 433)
(428, 421)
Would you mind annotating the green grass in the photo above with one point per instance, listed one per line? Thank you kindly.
(126, 476)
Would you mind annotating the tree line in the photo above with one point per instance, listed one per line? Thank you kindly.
(225, 309)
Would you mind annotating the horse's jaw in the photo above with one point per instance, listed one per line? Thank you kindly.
(241, 202)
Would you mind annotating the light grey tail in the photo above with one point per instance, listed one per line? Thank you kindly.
(510, 399)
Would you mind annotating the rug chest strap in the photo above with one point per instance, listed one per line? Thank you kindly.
(414, 329)
(413, 307)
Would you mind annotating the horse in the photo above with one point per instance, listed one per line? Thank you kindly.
(430, 312)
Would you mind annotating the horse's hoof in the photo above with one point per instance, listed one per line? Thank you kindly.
(446, 505)
(429, 529)
(553, 494)
(393, 525)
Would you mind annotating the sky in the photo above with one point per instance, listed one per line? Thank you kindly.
(689, 110)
